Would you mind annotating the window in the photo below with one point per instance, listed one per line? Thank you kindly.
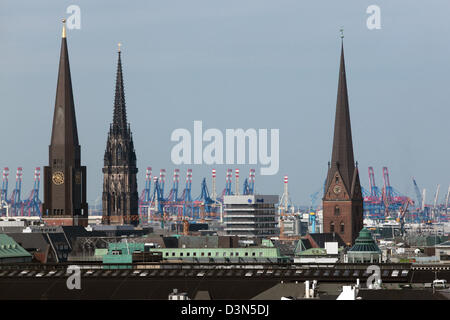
(246, 254)
(337, 179)
(181, 254)
(167, 254)
(173, 254)
(342, 227)
(195, 254)
(253, 254)
(209, 254)
(332, 227)
(203, 254)
(188, 254)
(237, 254)
(337, 210)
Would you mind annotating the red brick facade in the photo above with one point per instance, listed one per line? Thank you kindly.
(341, 214)
(66, 222)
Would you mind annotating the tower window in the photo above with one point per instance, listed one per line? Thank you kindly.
(337, 210)
(332, 227)
(337, 179)
(342, 227)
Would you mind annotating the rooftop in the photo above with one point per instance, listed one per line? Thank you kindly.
(365, 242)
(10, 249)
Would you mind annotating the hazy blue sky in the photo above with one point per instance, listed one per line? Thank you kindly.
(235, 64)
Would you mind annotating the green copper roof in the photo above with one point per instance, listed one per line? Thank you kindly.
(10, 249)
(100, 252)
(365, 242)
(313, 252)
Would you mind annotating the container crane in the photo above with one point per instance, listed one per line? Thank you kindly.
(435, 208)
(251, 181)
(249, 184)
(187, 196)
(4, 202)
(401, 216)
(228, 181)
(205, 201)
(15, 200)
(446, 200)
(32, 206)
(144, 200)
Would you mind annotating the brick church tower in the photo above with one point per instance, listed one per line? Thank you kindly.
(342, 201)
(64, 177)
(120, 195)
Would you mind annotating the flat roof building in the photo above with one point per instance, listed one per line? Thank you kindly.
(251, 216)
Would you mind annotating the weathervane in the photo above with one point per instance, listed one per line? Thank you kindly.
(119, 45)
(342, 32)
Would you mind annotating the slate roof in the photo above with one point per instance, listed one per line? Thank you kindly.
(321, 238)
(31, 241)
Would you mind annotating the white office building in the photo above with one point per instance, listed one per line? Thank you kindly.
(251, 216)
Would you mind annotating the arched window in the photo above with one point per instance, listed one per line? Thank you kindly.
(342, 227)
(119, 152)
(337, 210)
(331, 226)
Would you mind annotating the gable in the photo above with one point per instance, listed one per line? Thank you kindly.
(356, 192)
(337, 190)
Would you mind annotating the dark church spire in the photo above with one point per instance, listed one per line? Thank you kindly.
(120, 112)
(342, 155)
(64, 131)
(342, 201)
(120, 197)
(64, 177)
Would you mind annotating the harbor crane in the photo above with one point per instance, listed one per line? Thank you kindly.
(435, 208)
(446, 200)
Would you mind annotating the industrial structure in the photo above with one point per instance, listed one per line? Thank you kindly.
(177, 205)
(385, 203)
(181, 205)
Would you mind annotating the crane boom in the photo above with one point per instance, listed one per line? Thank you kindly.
(418, 194)
(446, 200)
(436, 196)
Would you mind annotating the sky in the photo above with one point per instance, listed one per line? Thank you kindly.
(263, 64)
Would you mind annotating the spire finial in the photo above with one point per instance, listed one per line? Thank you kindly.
(64, 28)
(119, 45)
(342, 32)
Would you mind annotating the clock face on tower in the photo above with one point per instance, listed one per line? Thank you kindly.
(337, 189)
(58, 178)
